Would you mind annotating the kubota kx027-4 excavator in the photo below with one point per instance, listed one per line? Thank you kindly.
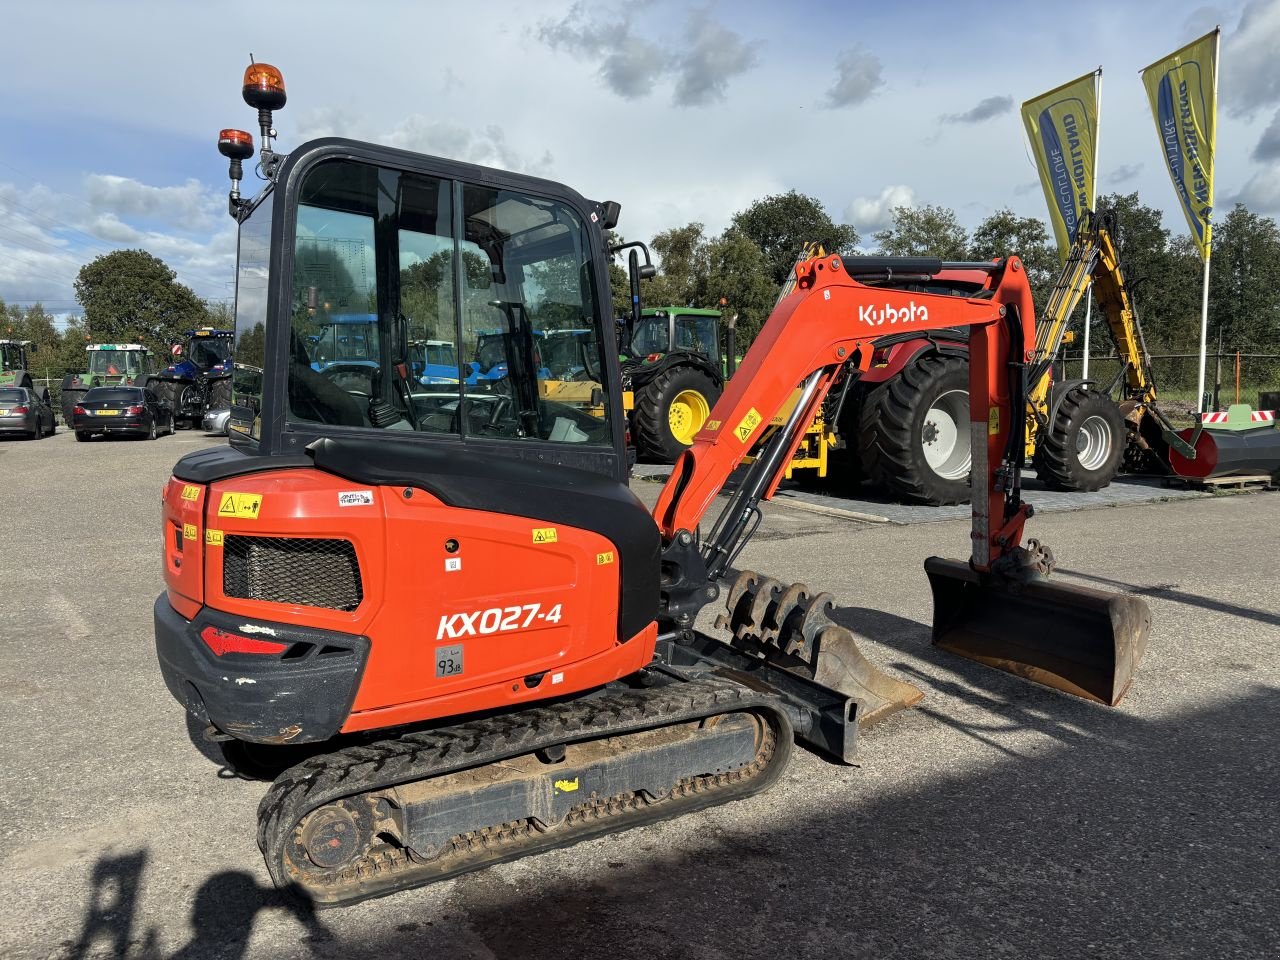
(450, 593)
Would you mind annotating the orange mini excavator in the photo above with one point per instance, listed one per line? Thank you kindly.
(442, 587)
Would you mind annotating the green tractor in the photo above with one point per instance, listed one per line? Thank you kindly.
(673, 369)
(15, 367)
(110, 364)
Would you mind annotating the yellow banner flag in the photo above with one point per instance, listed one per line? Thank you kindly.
(1063, 127)
(1183, 90)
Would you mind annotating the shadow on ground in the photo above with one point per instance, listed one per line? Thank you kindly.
(1104, 836)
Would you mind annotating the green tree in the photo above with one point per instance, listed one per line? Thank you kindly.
(682, 272)
(928, 231)
(1004, 233)
(1244, 285)
(619, 282)
(1163, 273)
(132, 296)
(738, 274)
(781, 225)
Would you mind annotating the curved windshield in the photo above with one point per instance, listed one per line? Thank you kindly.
(115, 363)
(649, 336)
(205, 352)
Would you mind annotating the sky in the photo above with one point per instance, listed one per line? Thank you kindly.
(679, 111)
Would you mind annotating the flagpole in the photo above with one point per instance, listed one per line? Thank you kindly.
(1204, 333)
(1093, 203)
(1208, 247)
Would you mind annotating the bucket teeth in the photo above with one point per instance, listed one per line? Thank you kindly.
(791, 627)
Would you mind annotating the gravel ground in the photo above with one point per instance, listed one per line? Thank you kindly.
(996, 819)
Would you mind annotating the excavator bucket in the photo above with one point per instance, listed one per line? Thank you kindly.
(1076, 639)
(791, 628)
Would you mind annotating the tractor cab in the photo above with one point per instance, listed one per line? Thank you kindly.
(14, 363)
(111, 363)
(387, 294)
(677, 329)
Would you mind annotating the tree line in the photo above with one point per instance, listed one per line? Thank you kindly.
(131, 296)
(126, 296)
(746, 263)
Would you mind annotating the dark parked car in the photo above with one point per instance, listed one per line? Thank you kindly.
(128, 410)
(23, 411)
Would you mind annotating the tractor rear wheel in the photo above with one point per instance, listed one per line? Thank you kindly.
(166, 392)
(670, 410)
(220, 394)
(71, 395)
(914, 437)
(1084, 445)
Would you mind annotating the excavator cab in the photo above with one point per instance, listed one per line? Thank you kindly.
(420, 249)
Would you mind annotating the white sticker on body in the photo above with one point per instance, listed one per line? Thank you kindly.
(452, 564)
(355, 498)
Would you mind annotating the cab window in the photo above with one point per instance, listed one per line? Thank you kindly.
(380, 270)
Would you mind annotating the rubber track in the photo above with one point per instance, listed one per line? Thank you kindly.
(358, 770)
(891, 446)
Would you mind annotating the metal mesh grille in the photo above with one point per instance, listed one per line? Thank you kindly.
(314, 573)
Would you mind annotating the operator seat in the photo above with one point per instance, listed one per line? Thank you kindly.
(316, 398)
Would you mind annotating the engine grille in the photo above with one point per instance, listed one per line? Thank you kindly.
(313, 573)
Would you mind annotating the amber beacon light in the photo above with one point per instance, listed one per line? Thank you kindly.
(264, 87)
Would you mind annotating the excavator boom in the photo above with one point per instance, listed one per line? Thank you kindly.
(994, 607)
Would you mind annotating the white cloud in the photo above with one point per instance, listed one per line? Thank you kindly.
(986, 109)
(702, 61)
(442, 138)
(1250, 80)
(858, 73)
(714, 56)
(1268, 148)
(184, 206)
(876, 213)
(1261, 194)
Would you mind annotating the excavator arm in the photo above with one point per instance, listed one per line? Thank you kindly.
(828, 320)
(991, 607)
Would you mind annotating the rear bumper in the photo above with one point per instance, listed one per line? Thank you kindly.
(302, 695)
(110, 424)
(16, 425)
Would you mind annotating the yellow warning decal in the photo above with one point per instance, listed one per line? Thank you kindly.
(993, 421)
(244, 506)
(190, 531)
(190, 492)
(603, 558)
(567, 786)
(711, 425)
(544, 535)
(748, 425)
(213, 538)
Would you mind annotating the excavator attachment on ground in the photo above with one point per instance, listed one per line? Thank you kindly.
(1075, 639)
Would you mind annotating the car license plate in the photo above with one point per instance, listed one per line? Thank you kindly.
(4, 413)
(108, 413)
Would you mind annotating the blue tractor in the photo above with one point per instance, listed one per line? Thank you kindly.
(199, 379)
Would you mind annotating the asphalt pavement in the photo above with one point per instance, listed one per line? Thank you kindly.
(997, 819)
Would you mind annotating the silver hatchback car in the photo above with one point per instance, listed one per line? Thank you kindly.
(26, 413)
(215, 421)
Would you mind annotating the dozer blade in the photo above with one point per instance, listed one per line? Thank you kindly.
(791, 628)
(1076, 639)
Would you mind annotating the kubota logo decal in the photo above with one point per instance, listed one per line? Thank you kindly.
(494, 620)
(911, 313)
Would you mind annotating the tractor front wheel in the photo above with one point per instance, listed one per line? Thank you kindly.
(670, 410)
(1084, 444)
